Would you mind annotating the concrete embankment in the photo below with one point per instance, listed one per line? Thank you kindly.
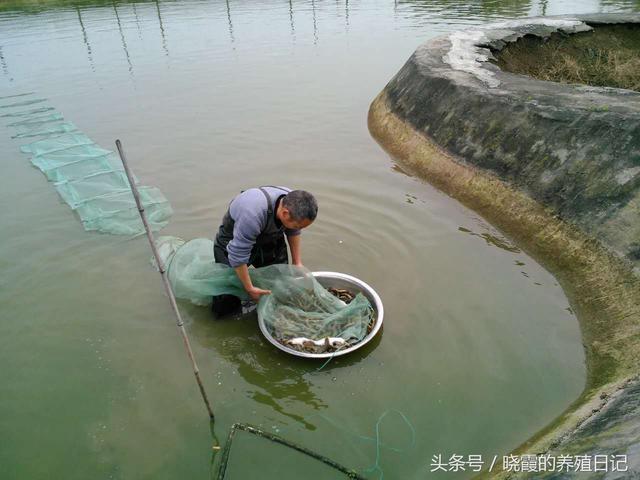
(557, 168)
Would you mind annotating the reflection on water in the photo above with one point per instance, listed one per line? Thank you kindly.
(3, 63)
(86, 39)
(162, 34)
(124, 42)
(415, 13)
(279, 380)
(458, 9)
(230, 22)
(494, 240)
(237, 341)
(543, 7)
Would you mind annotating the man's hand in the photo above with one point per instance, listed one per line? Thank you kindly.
(298, 264)
(255, 293)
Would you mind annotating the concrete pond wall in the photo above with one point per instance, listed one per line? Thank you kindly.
(557, 168)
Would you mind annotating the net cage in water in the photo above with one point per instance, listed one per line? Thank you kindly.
(89, 178)
(303, 315)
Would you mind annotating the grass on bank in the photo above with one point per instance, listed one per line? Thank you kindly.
(607, 56)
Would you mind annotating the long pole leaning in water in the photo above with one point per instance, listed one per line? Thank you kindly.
(165, 280)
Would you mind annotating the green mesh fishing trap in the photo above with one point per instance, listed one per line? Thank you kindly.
(91, 181)
(297, 308)
(89, 178)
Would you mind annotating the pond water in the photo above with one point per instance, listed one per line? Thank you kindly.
(480, 348)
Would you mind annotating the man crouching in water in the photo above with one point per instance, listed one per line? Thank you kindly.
(253, 231)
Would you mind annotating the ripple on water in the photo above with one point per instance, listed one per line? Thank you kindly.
(215, 97)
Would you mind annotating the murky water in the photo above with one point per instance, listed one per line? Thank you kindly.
(479, 348)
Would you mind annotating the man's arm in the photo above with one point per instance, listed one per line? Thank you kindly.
(254, 292)
(294, 246)
(249, 221)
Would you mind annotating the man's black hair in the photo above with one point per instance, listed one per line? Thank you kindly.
(301, 205)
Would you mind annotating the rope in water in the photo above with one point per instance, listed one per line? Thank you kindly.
(376, 466)
(379, 444)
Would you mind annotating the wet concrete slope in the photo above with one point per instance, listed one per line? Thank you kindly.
(557, 168)
(574, 148)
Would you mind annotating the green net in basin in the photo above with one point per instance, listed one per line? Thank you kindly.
(298, 312)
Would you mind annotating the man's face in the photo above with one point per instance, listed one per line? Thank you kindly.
(288, 221)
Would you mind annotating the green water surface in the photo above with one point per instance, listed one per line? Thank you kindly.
(479, 349)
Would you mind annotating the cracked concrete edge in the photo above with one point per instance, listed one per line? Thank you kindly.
(601, 288)
(470, 49)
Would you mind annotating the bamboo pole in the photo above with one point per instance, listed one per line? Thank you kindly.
(165, 280)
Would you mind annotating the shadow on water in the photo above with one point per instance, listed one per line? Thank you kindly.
(279, 378)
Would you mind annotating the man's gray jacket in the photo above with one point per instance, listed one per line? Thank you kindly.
(249, 217)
